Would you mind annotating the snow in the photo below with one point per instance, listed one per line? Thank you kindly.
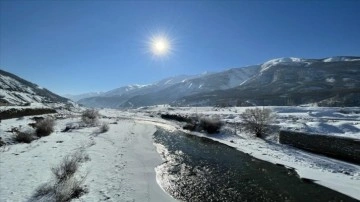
(339, 59)
(284, 60)
(134, 87)
(16, 93)
(124, 162)
(121, 167)
(139, 85)
(330, 80)
(167, 82)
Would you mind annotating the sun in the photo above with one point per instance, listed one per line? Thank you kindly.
(160, 45)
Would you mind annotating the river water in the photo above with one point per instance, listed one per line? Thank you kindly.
(199, 169)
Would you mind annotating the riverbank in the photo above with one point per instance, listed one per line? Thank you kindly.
(121, 165)
(123, 159)
(200, 169)
(337, 175)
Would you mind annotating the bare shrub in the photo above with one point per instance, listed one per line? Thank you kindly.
(176, 117)
(104, 127)
(2, 143)
(44, 192)
(210, 125)
(257, 120)
(66, 186)
(68, 166)
(90, 116)
(69, 189)
(59, 192)
(73, 126)
(44, 127)
(24, 136)
(190, 126)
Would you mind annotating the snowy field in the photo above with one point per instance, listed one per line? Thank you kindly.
(121, 165)
(122, 161)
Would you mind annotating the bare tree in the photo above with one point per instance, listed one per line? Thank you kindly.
(257, 120)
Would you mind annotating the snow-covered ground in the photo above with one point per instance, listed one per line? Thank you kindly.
(121, 166)
(123, 160)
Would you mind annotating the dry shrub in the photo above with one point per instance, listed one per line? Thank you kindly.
(43, 193)
(65, 185)
(68, 166)
(44, 127)
(2, 143)
(210, 125)
(59, 192)
(104, 127)
(257, 120)
(24, 136)
(90, 116)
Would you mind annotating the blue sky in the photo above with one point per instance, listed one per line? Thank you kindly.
(85, 46)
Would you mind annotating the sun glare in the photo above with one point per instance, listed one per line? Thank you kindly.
(160, 45)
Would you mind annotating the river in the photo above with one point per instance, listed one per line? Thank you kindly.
(200, 169)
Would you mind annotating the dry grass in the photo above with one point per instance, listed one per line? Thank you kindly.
(24, 136)
(103, 128)
(66, 185)
(68, 166)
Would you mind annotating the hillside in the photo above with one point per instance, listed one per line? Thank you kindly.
(17, 91)
(326, 82)
(171, 89)
(284, 81)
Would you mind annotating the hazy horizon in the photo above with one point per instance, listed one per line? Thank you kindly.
(74, 47)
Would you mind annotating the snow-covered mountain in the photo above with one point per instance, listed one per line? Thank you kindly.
(204, 83)
(170, 89)
(78, 97)
(17, 91)
(292, 81)
(341, 59)
(280, 81)
(118, 97)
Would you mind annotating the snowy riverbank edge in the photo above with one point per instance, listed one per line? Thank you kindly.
(348, 185)
(333, 176)
(338, 175)
(121, 165)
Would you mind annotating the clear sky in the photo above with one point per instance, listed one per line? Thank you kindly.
(86, 46)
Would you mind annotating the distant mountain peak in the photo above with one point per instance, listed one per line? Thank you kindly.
(279, 80)
(284, 60)
(341, 58)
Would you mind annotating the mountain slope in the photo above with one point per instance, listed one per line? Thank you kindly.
(282, 81)
(17, 91)
(78, 97)
(205, 83)
(118, 97)
(292, 81)
(170, 89)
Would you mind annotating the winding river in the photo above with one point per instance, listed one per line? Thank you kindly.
(200, 169)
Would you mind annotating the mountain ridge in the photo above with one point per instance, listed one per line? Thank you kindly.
(328, 81)
(15, 90)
